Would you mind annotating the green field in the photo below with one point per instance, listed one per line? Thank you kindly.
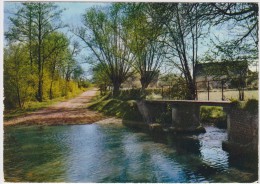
(230, 94)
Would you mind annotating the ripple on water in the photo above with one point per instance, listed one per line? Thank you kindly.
(211, 148)
(113, 153)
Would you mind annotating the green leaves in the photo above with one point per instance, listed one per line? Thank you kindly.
(39, 61)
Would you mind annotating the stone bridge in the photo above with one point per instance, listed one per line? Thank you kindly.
(186, 113)
(242, 125)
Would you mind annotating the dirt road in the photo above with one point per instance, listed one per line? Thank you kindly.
(73, 111)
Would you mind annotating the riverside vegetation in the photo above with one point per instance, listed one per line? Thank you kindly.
(125, 106)
(40, 65)
(122, 42)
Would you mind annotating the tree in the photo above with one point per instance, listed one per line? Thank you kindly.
(145, 42)
(100, 77)
(243, 43)
(33, 23)
(57, 46)
(244, 17)
(18, 80)
(106, 37)
(183, 28)
(23, 27)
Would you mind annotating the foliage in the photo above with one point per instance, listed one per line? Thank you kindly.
(183, 25)
(252, 80)
(39, 62)
(31, 106)
(124, 39)
(18, 81)
(174, 86)
(126, 109)
(100, 77)
(213, 115)
(243, 16)
(145, 42)
(207, 113)
(33, 24)
(250, 105)
(105, 35)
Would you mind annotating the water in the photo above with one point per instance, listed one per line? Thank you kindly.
(114, 153)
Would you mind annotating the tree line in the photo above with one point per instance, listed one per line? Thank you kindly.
(39, 60)
(122, 39)
(127, 38)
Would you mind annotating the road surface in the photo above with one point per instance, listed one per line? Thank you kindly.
(73, 111)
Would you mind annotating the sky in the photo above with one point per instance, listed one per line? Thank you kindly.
(72, 15)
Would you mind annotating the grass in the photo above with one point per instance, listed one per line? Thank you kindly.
(123, 108)
(33, 106)
(250, 105)
(119, 108)
(217, 116)
(217, 95)
(208, 113)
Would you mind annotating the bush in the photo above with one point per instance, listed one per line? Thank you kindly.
(207, 114)
(251, 106)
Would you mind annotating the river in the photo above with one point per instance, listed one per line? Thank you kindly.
(114, 153)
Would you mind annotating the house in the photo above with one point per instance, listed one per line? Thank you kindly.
(215, 72)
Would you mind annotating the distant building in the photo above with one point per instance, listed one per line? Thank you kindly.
(217, 71)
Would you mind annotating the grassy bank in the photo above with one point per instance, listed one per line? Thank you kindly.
(125, 106)
(120, 108)
(34, 105)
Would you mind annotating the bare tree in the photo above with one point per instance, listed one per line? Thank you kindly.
(183, 28)
(241, 15)
(145, 42)
(105, 36)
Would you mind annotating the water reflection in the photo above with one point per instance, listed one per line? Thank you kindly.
(113, 153)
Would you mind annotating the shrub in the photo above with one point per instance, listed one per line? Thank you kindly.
(208, 113)
(251, 106)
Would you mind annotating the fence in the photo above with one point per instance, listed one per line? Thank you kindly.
(222, 89)
(216, 90)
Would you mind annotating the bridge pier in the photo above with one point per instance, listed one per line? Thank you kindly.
(242, 127)
(185, 116)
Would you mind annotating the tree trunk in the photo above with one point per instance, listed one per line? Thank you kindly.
(52, 79)
(50, 94)
(40, 93)
(191, 91)
(39, 52)
(144, 84)
(18, 96)
(116, 87)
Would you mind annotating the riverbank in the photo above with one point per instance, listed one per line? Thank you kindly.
(73, 111)
(126, 108)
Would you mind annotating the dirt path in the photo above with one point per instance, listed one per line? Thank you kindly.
(73, 111)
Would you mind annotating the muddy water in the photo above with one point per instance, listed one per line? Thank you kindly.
(114, 153)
